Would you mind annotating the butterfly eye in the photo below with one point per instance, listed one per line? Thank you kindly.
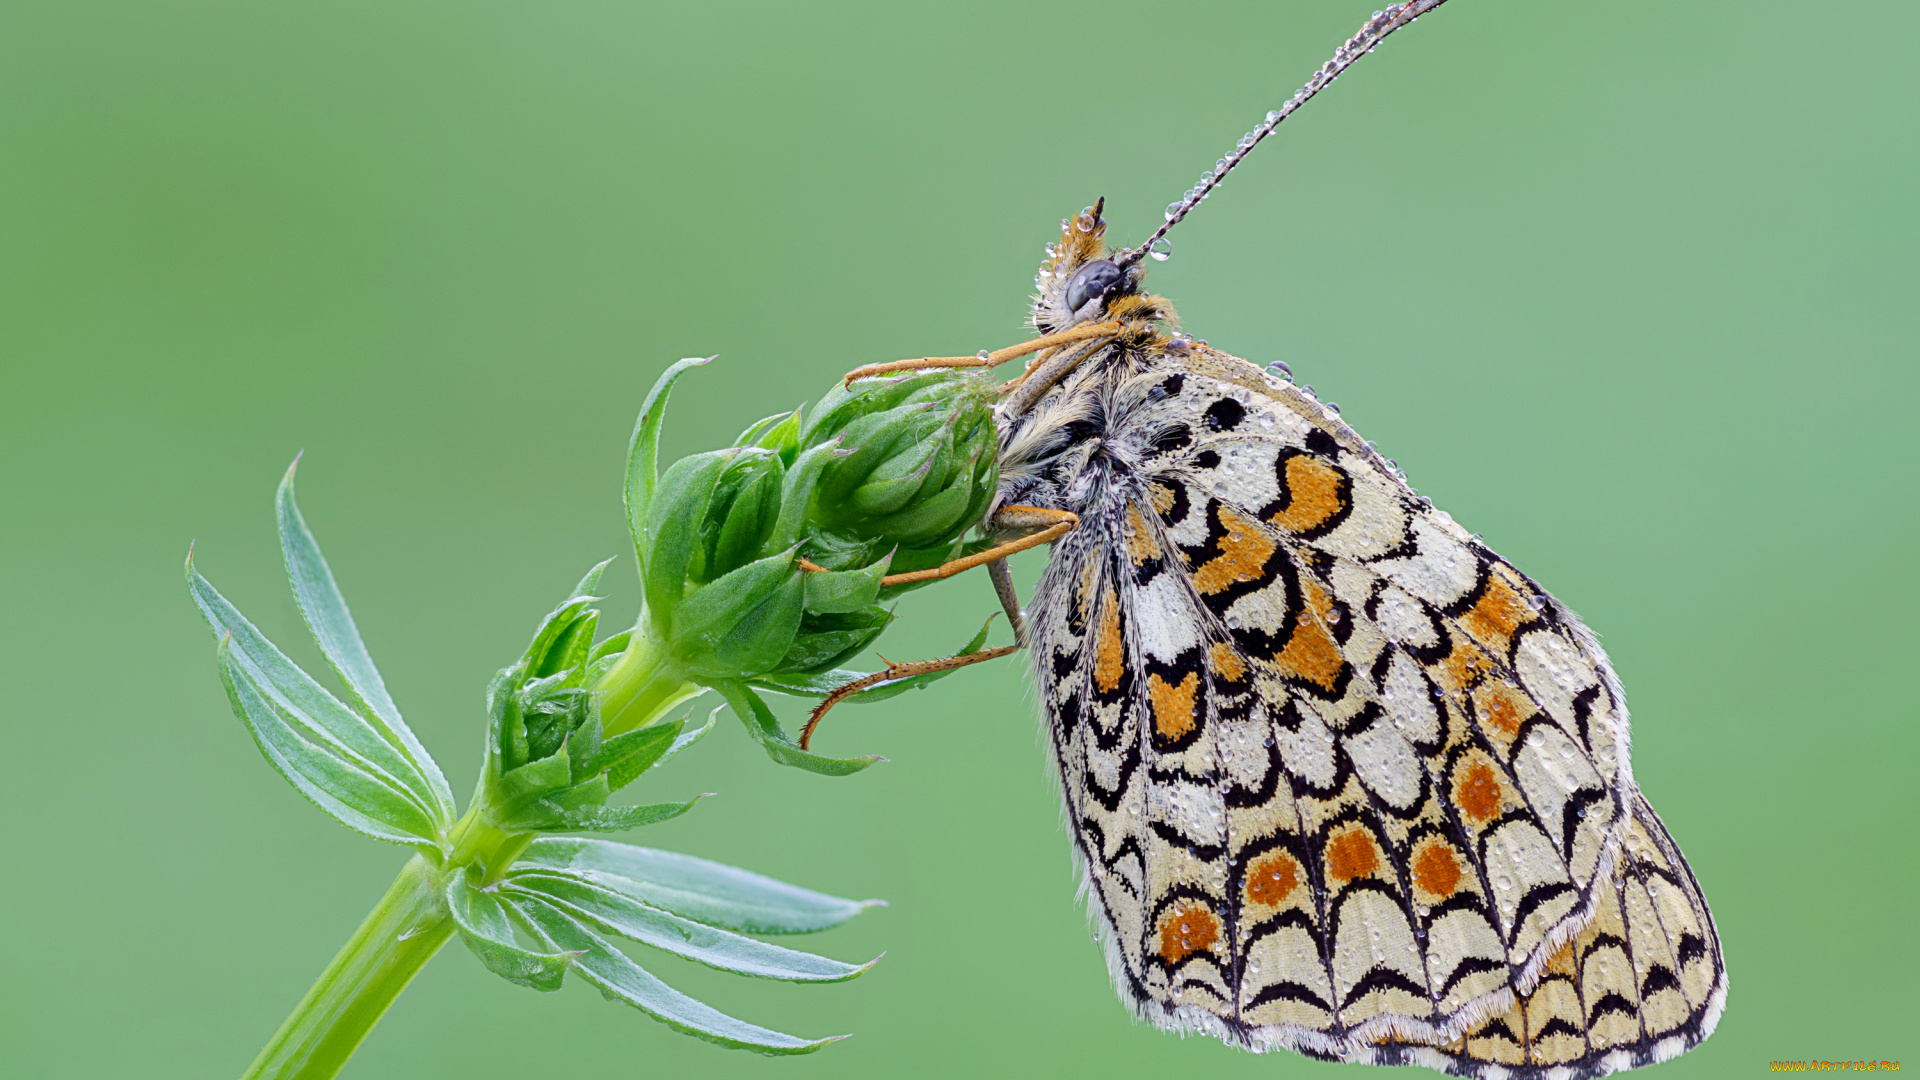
(1091, 282)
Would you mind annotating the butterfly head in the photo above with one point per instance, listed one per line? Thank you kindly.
(1083, 281)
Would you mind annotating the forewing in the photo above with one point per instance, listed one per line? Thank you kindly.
(1343, 778)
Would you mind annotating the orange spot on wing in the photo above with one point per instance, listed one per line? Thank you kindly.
(1109, 656)
(1187, 929)
(1351, 854)
(1436, 870)
(1173, 705)
(1464, 665)
(1310, 652)
(1313, 487)
(1499, 611)
(1141, 545)
(1562, 962)
(1161, 496)
(1083, 597)
(1502, 707)
(1272, 878)
(1226, 663)
(1244, 552)
(1476, 792)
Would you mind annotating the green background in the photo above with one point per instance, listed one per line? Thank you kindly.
(1627, 287)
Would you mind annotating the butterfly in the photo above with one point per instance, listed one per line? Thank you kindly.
(1339, 778)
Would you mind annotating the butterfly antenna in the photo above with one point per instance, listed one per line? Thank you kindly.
(1383, 23)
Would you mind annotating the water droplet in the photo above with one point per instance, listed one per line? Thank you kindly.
(1503, 882)
(1333, 408)
(1273, 116)
(1161, 250)
(1279, 367)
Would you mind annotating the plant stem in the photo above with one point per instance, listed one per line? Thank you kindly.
(641, 686)
(410, 923)
(396, 940)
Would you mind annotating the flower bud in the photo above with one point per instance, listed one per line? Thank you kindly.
(917, 469)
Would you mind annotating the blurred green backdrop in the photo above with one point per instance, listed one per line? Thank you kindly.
(1627, 287)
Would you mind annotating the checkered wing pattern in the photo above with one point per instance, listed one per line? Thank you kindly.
(1345, 781)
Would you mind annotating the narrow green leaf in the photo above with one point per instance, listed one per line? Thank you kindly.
(751, 436)
(612, 912)
(642, 451)
(699, 889)
(840, 591)
(327, 617)
(926, 519)
(782, 438)
(591, 792)
(826, 640)
(796, 495)
(620, 979)
(552, 629)
(671, 531)
(624, 773)
(483, 925)
(589, 584)
(742, 623)
(547, 815)
(323, 720)
(355, 797)
(612, 647)
(551, 772)
(766, 730)
(571, 648)
(636, 750)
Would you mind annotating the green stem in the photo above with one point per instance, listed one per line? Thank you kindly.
(641, 686)
(411, 922)
(399, 936)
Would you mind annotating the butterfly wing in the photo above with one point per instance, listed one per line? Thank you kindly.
(1344, 780)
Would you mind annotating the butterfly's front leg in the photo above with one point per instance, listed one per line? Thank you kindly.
(987, 359)
(1047, 526)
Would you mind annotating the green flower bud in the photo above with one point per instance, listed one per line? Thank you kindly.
(882, 478)
(917, 468)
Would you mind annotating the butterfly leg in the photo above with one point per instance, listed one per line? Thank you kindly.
(896, 671)
(1044, 376)
(1009, 599)
(992, 359)
(1051, 526)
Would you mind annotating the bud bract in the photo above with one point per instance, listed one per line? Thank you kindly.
(918, 468)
